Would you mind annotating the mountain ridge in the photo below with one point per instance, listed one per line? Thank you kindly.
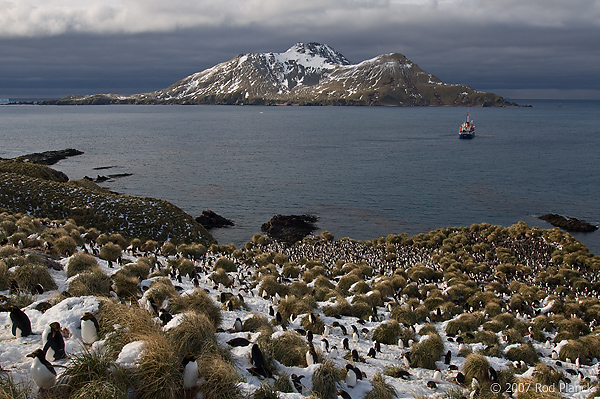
(307, 74)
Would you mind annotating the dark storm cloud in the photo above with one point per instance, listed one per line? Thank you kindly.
(61, 47)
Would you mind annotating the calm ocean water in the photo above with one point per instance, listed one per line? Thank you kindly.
(365, 172)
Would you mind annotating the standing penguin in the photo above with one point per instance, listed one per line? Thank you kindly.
(448, 357)
(89, 328)
(21, 326)
(190, 371)
(54, 347)
(237, 325)
(351, 376)
(311, 355)
(42, 372)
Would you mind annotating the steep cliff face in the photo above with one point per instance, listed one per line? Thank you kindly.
(309, 74)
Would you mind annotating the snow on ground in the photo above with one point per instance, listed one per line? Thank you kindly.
(68, 312)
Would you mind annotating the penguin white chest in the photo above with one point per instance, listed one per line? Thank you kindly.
(190, 375)
(351, 378)
(89, 334)
(41, 375)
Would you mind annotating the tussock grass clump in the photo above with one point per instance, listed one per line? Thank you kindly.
(110, 252)
(325, 380)
(195, 334)
(404, 315)
(257, 323)
(161, 289)
(123, 324)
(464, 323)
(11, 389)
(270, 286)
(524, 352)
(87, 372)
(80, 262)
(140, 269)
(289, 349)
(387, 333)
(547, 375)
(226, 264)
(294, 305)
(381, 389)
(30, 274)
(317, 327)
(265, 391)
(425, 353)
(221, 378)
(476, 365)
(5, 276)
(99, 389)
(186, 267)
(90, 283)
(159, 369)
(341, 308)
(198, 301)
(65, 245)
(126, 286)
(220, 277)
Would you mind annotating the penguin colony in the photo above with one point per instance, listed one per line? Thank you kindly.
(348, 340)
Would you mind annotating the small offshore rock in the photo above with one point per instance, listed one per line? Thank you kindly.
(211, 220)
(568, 223)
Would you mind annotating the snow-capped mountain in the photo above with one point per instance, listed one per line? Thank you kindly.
(309, 74)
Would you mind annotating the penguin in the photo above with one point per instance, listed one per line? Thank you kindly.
(237, 325)
(351, 376)
(235, 342)
(460, 378)
(355, 357)
(437, 375)
(343, 394)
(257, 359)
(431, 385)
(355, 337)
(346, 344)
(447, 357)
(475, 393)
(312, 318)
(89, 328)
(474, 383)
(54, 347)
(325, 331)
(190, 371)
(493, 375)
(377, 346)
(21, 326)
(42, 372)
(405, 375)
(309, 336)
(371, 353)
(311, 355)
(324, 345)
(164, 316)
(400, 343)
(296, 383)
(406, 360)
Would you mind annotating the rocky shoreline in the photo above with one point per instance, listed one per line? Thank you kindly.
(569, 223)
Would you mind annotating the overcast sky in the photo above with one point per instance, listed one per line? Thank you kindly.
(515, 48)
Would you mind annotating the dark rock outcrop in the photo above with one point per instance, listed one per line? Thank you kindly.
(211, 220)
(568, 223)
(49, 157)
(290, 228)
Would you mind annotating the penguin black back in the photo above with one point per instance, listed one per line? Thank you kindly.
(257, 357)
(21, 326)
(55, 345)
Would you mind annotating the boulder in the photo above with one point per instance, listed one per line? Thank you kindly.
(290, 228)
(568, 223)
(211, 220)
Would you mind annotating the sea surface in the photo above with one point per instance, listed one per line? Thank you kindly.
(365, 172)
